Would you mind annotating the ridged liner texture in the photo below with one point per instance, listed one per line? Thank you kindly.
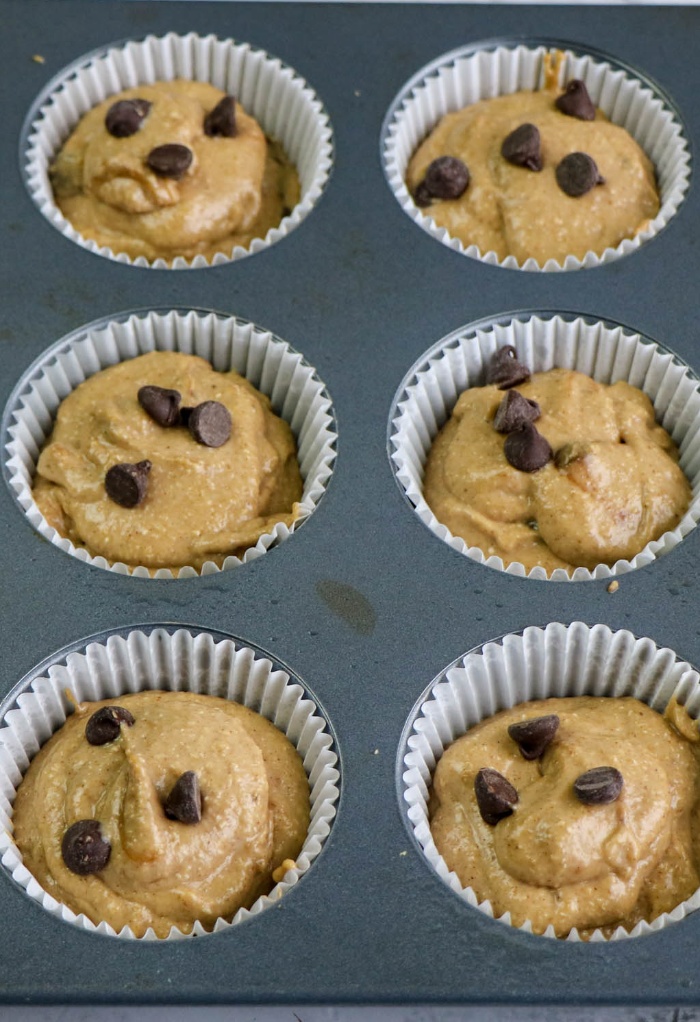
(605, 351)
(540, 663)
(284, 105)
(296, 393)
(463, 77)
(172, 661)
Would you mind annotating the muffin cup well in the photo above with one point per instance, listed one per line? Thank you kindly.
(486, 70)
(539, 663)
(280, 100)
(171, 659)
(604, 350)
(270, 364)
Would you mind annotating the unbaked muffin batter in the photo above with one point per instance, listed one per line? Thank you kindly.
(202, 503)
(513, 210)
(235, 188)
(162, 872)
(613, 485)
(555, 860)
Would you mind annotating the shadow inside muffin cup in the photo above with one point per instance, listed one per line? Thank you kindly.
(493, 68)
(604, 350)
(285, 106)
(554, 661)
(173, 658)
(227, 342)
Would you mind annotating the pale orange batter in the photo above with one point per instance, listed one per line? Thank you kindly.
(555, 860)
(162, 872)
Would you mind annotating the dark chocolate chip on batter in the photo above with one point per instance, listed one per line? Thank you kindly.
(577, 174)
(127, 484)
(222, 119)
(184, 803)
(523, 147)
(210, 423)
(533, 736)
(515, 411)
(170, 160)
(83, 848)
(575, 101)
(125, 117)
(495, 795)
(446, 178)
(162, 404)
(105, 724)
(527, 450)
(504, 369)
(598, 786)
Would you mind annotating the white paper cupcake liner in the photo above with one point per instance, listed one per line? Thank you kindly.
(608, 352)
(173, 660)
(270, 364)
(470, 74)
(280, 100)
(539, 663)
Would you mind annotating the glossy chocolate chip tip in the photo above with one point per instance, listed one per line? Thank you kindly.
(534, 736)
(210, 423)
(527, 450)
(84, 849)
(447, 177)
(125, 117)
(184, 803)
(127, 484)
(514, 412)
(221, 121)
(495, 795)
(162, 404)
(577, 174)
(171, 160)
(504, 370)
(575, 101)
(598, 786)
(105, 724)
(522, 147)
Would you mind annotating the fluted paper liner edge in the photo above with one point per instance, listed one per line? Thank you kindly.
(605, 351)
(274, 94)
(464, 77)
(268, 362)
(539, 663)
(175, 661)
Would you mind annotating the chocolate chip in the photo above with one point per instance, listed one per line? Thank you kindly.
(184, 803)
(83, 848)
(515, 411)
(533, 736)
(222, 119)
(575, 101)
(162, 405)
(527, 450)
(577, 174)
(446, 178)
(522, 147)
(171, 160)
(125, 117)
(185, 413)
(598, 786)
(422, 196)
(504, 369)
(105, 724)
(210, 423)
(126, 484)
(495, 795)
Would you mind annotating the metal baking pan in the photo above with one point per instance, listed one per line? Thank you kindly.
(363, 603)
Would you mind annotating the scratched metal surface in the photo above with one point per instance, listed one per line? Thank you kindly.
(363, 603)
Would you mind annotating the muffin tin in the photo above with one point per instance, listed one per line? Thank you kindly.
(363, 603)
